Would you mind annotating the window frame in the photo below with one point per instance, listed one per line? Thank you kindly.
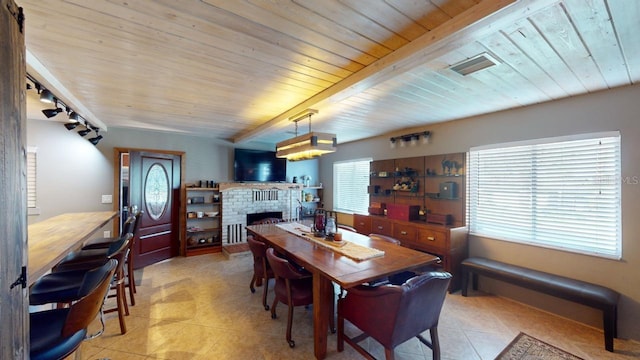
(583, 180)
(338, 199)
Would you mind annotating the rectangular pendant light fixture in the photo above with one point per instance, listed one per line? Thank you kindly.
(307, 146)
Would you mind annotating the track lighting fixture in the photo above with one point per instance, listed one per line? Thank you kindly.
(49, 113)
(84, 132)
(47, 97)
(75, 119)
(95, 140)
(410, 139)
(71, 126)
(73, 116)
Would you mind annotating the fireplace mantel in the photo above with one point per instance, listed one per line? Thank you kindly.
(259, 186)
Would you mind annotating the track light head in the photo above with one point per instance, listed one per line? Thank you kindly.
(47, 97)
(84, 132)
(49, 113)
(71, 126)
(95, 140)
(73, 116)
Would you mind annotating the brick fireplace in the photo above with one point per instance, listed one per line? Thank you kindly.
(259, 199)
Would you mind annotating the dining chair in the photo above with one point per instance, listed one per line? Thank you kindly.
(261, 269)
(57, 333)
(393, 314)
(293, 288)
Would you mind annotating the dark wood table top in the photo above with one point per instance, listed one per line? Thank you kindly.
(342, 269)
(50, 240)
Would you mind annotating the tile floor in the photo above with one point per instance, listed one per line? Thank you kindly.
(201, 308)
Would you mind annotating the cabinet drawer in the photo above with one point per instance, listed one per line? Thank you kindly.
(362, 224)
(432, 238)
(406, 234)
(382, 227)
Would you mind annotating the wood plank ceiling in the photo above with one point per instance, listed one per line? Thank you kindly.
(236, 70)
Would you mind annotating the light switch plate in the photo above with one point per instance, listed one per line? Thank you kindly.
(107, 199)
(106, 233)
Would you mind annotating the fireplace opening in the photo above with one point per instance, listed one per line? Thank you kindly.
(252, 218)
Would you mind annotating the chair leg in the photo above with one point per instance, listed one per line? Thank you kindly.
(273, 308)
(435, 343)
(289, 323)
(252, 283)
(131, 282)
(340, 331)
(389, 354)
(264, 294)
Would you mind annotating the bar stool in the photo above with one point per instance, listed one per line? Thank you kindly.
(57, 286)
(131, 225)
(57, 333)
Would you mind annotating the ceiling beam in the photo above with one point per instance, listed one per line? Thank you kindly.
(471, 25)
(46, 78)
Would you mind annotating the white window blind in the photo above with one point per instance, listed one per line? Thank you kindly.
(31, 177)
(561, 193)
(350, 181)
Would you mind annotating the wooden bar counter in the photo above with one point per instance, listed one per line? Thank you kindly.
(49, 241)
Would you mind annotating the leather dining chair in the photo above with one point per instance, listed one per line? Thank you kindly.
(293, 288)
(262, 271)
(57, 333)
(393, 314)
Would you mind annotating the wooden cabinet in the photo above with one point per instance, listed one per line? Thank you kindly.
(203, 221)
(362, 223)
(381, 225)
(435, 184)
(448, 243)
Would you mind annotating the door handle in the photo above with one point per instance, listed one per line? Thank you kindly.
(431, 238)
(403, 233)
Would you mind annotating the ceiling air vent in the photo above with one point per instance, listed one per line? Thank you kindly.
(474, 64)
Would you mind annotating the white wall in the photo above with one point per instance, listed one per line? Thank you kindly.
(616, 109)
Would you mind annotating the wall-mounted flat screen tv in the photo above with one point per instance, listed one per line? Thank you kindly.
(258, 165)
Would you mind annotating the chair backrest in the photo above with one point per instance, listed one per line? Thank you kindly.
(128, 225)
(347, 228)
(259, 252)
(385, 238)
(95, 285)
(282, 268)
(420, 304)
(119, 245)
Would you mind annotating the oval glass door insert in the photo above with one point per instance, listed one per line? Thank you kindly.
(156, 191)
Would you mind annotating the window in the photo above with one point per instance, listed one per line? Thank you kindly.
(350, 181)
(31, 177)
(561, 193)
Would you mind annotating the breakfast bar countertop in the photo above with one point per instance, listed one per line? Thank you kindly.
(50, 240)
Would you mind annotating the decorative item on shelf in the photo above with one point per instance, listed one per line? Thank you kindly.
(197, 200)
(402, 212)
(377, 208)
(215, 198)
(448, 190)
(307, 146)
(308, 197)
(441, 219)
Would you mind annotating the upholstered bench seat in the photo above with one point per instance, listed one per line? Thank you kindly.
(595, 296)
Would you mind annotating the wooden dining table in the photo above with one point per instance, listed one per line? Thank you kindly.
(327, 266)
(50, 240)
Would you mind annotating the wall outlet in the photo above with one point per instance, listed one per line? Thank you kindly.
(106, 233)
(107, 199)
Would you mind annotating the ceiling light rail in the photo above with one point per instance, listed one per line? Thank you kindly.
(308, 146)
(412, 139)
(46, 96)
